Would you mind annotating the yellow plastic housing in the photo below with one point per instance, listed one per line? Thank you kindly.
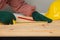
(14, 21)
(54, 10)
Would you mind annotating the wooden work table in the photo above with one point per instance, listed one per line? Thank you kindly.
(31, 29)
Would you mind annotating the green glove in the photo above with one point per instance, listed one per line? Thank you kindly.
(39, 17)
(7, 17)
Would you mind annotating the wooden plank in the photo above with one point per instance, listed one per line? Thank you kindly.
(31, 29)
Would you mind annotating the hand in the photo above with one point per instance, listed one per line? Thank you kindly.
(2, 4)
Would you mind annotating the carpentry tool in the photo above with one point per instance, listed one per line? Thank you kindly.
(54, 10)
(7, 17)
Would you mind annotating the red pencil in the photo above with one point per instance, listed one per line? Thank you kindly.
(26, 18)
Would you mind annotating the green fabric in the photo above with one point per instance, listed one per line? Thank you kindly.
(7, 17)
(39, 17)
